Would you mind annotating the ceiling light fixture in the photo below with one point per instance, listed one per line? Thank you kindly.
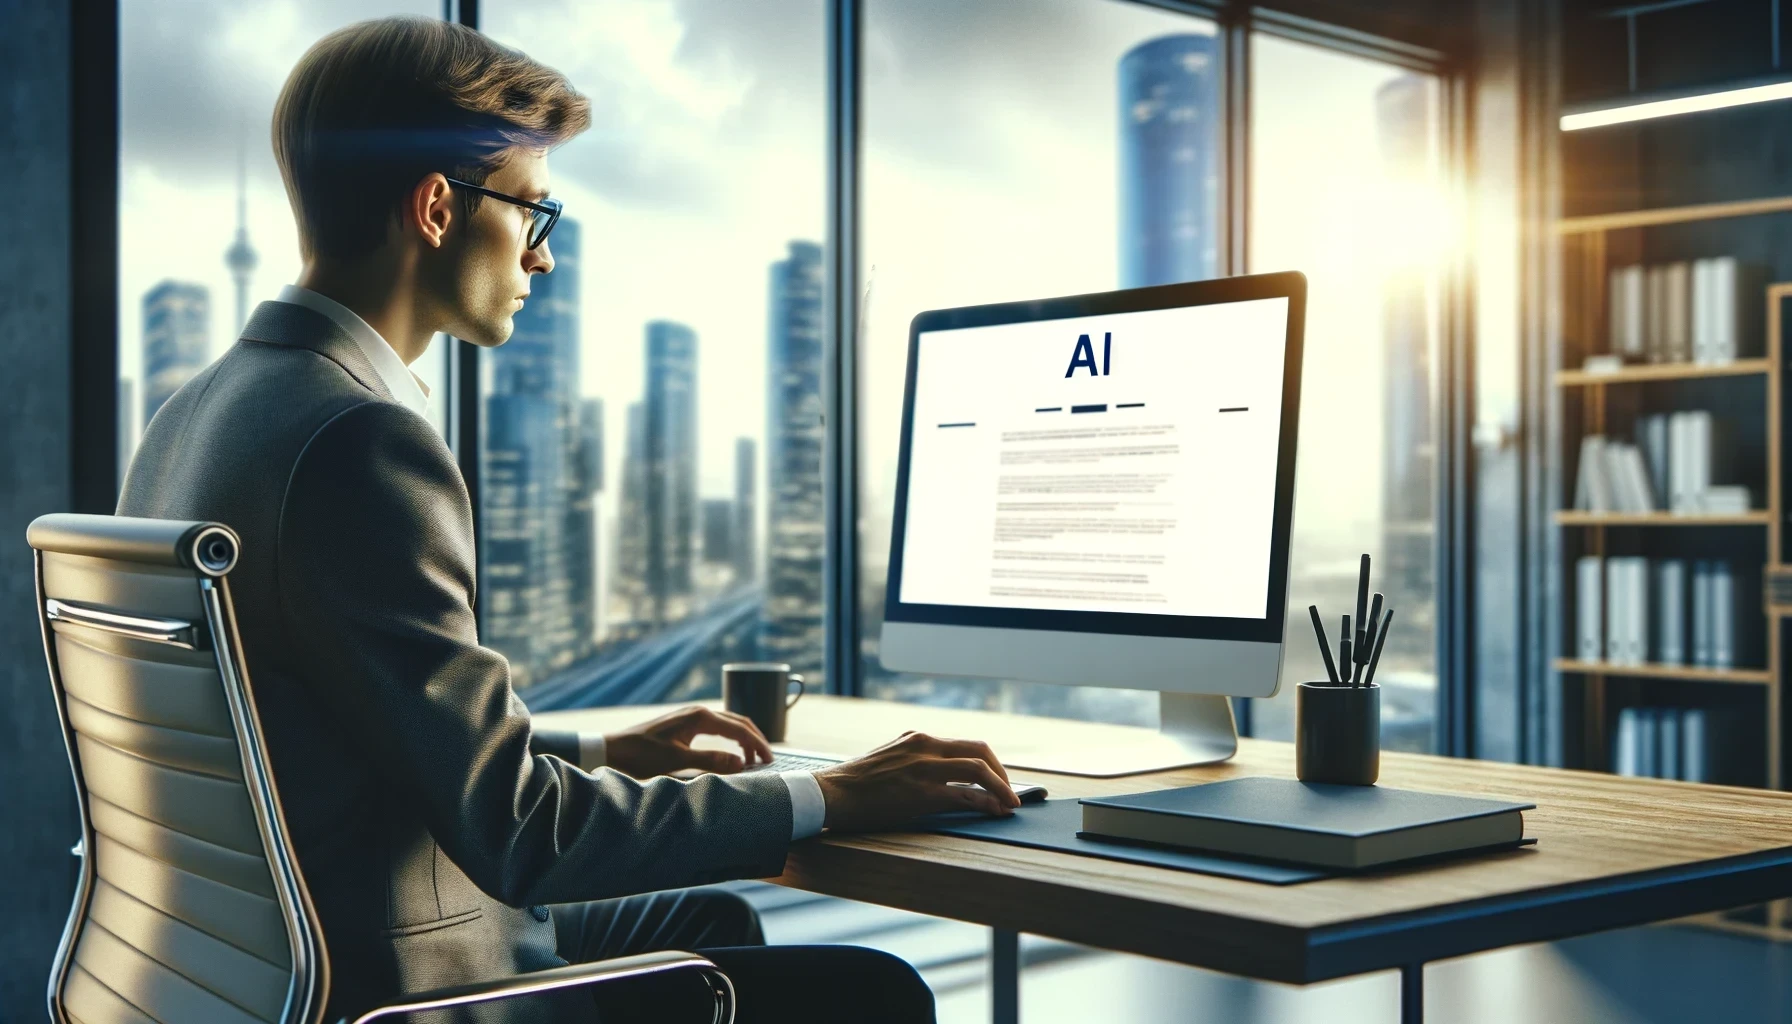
(1644, 110)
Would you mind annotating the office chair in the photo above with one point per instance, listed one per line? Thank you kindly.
(190, 905)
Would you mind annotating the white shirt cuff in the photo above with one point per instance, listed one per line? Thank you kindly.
(593, 752)
(808, 810)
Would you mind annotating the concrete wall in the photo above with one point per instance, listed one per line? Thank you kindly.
(38, 822)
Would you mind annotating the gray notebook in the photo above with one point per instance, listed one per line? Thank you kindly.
(1348, 827)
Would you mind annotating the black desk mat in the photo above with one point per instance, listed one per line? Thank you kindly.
(1054, 825)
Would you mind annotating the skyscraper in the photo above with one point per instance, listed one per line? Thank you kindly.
(176, 340)
(587, 481)
(746, 510)
(538, 485)
(671, 467)
(796, 529)
(1169, 160)
(629, 584)
(241, 257)
(718, 531)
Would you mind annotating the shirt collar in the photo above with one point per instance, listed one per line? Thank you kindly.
(405, 386)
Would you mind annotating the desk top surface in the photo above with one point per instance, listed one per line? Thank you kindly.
(1611, 851)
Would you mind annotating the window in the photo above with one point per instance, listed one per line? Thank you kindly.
(1347, 186)
(650, 466)
(989, 177)
(205, 232)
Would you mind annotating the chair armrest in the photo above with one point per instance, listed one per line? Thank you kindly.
(570, 976)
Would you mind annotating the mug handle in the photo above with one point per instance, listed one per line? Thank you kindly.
(798, 680)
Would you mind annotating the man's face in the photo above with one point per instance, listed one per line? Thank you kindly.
(488, 265)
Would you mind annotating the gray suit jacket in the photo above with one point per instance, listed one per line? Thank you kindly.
(431, 824)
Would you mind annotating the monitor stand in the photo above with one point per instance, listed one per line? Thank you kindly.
(1192, 729)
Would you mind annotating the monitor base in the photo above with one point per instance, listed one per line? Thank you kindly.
(1193, 729)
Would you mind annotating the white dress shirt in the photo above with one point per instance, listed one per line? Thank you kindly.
(808, 811)
(406, 387)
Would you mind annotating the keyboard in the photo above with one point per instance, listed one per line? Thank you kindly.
(782, 762)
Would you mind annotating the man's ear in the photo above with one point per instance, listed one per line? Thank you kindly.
(431, 209)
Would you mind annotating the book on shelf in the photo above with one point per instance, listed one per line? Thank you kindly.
(1676, 327)
(1669, 589)
(1673, 743)
(1631, 610)
(1703, 312)
(1672, 466)
(1589, 632)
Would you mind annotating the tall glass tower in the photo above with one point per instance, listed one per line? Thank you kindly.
(1169, 160)
(671, 471)
(177, 320)
(746, 510)
(540, 545)
(241, 257)
(795, 541)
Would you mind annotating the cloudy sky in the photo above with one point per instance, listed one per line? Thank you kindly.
(990, 175)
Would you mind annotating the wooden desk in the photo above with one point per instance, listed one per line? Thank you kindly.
(1612, 852)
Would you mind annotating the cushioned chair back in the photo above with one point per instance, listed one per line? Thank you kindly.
(190, 906)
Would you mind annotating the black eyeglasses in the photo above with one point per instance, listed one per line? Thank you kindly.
(545, 213)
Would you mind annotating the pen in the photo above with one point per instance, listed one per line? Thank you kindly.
(1362, 601)
(1366, 641)
(1344, 651)
(1380, 639)
(1325, 646)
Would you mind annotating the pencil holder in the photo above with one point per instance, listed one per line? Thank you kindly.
(1337, 733)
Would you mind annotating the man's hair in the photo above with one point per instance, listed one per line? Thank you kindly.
(372, 108)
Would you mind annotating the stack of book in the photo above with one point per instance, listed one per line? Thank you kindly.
(1666, 743)
(1671, 466)
(1646, 612)
(1778, 587)
(1698, 312)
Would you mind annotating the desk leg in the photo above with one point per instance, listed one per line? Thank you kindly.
(1004, 976)
(1412, 994)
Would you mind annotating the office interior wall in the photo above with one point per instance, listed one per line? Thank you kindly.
(37, 813)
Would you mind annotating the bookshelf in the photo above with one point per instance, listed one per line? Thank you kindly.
(1572, 517)
(1662, 371)
(1607, 403)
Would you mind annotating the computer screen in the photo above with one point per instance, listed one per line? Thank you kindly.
(1114, 463)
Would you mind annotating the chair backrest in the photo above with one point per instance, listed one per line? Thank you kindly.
(190, 906)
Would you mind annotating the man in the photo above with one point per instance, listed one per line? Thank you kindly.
(434, 827)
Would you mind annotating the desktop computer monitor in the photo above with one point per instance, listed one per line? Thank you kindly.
(1098, 490)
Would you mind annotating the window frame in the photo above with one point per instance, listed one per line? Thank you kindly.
(94, 330)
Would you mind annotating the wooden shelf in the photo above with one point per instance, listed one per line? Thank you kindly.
(1757, 517)
(1691, 673)
(1663, 371)
(1672, 215)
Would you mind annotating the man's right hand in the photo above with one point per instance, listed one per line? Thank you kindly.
(912, 776)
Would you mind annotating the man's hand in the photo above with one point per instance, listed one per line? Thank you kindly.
(663, 746)
(911, 776)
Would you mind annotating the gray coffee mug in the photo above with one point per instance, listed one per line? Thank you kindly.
(761, 691)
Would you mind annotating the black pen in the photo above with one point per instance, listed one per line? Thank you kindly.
(1380, 639)
(1362, 600)
(1344, 651)
(1325, 646)
(1366, 641)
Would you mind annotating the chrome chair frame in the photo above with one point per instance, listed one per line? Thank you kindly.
(211, 549)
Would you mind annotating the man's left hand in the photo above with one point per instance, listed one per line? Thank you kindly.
(663, 746)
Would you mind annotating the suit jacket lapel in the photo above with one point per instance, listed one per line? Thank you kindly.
(282, 323)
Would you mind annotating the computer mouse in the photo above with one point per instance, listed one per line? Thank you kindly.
(1027, 791)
